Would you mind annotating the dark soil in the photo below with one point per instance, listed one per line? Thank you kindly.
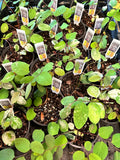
(84, 53)
(49, 110)
(87, 19)
(13, 56)
(71, 85)
(80, 29)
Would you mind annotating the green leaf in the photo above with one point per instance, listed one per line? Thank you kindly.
(111, 13)
(105, 132)
(36, 38)
(21, 158)
(26, 79)
(95, 54)
(93, 128)
(7, 36)
(50, 141)
(7, 154)
(48, 155)
(71, 36)
(44, 27)
(80, 115)
(44, 79)
(58, 36)
(117, 16)
(30, 114)
(94, 112)
(16, 47)
(32, 13)
(59, 153)
(37, 147)
(116, 155)
(113, 93)
(48, 67)
(69, 66)
(88, 145)
(63, 125)
(112, 115)
(78, 155)
(37, 101)
(116, 66)
(20, 68)
(28, 90)
(16, 122)
(60, 45)
(67, 100)
(61, 141)
(26, 29)
(38, 135)
(12, 18)
(53, 23)
(113, 3)
(53, 128)
(95, 76)
(94, 156)
(102, 109)
(64, 25)
(67, 14)
(101, 149)
(93, 91)
(59, 71)
(116, 140)
(22, 144)
(4, 27)
(111, 25)
(105, 21)
(29, 47)
(64, 113)
(8, 77)
(59, 11)
(4, 93)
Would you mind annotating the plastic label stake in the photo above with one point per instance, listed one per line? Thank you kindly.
(22, 37)
(40, 49)
(79, 65)
(56, 85)
(24, 15)
(88, 38)
(113, 48)
(92, 8)
(78, 13)
(97, 27)
(54, 5)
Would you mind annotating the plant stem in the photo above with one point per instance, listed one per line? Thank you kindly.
(14, 85)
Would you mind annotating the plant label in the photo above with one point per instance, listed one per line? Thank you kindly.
(56, 85)
(78, 13)
(97, 27)
(79, 65)
(92, 8)
(24, 15)
(113, 48)
(53, 30)
(40, 48)
(22, 37)
(7, 66)
(112, 78)
(88, 38)
(5, 103)
(54, 5)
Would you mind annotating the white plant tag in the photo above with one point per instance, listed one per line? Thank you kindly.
(113, 48)
(56, 85)
(92, 8)
(24, 15)
(88, 38)
(22, 37)
(53, 30)
(97, 27)
(5, 103)
(112, 79)
(40, 48)
(81, 64)
(54, 5)
(7, 66)
(78, 13)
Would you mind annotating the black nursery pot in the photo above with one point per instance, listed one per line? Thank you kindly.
(49, 110)
(13, 56)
